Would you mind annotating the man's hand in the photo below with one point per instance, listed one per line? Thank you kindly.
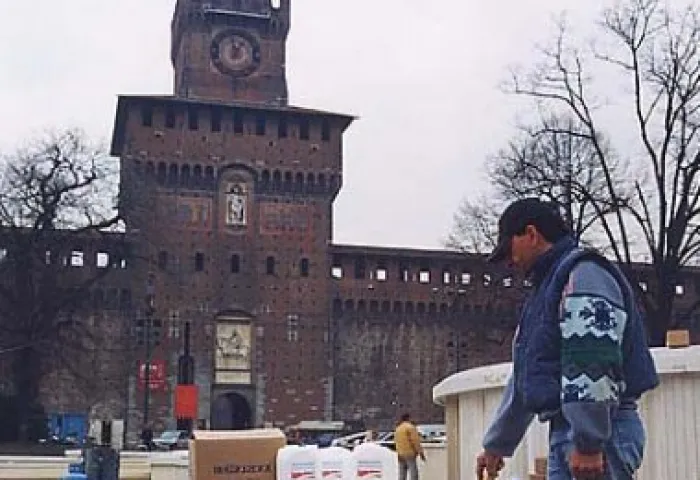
(489, 462)
(586, 466)
(422, 456)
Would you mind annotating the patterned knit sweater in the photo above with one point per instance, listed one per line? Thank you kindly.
(592, 322)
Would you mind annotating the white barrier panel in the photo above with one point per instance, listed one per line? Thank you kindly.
(671, 414)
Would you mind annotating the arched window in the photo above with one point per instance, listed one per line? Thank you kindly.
(276, 180)
(162, 172)
(197, 175)
(185, 174)
(173, 174)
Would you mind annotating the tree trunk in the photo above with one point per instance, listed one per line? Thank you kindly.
(660, 318)
(656, 328)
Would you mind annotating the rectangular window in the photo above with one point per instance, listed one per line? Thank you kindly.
(199, 262)
(337, 272)
(325, 130)
(304, 129)
(102, 259)
(237, 122)
(424, 276)
(260, 125)
(304, 267)
(292, 328)
(169, 118)
(163, 260)
(404, 274)
(235, 264)
(193, 119)
(174, 324)
(77, 258)
(282, 127)
(270, 265)
(381, 274)
(147, 116)
(156, 331)
(360, 269)
(216, 120)
(120, 263)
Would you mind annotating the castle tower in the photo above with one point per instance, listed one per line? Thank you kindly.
(230, 50)
(227, 194)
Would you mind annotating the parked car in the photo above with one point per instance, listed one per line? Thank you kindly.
(350, 441)
(386, 439)
(172, 440)
(432, 432)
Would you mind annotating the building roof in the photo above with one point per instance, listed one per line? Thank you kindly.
(403, 252)
(125, 101)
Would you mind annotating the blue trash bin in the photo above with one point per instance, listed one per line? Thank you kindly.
(76, 471)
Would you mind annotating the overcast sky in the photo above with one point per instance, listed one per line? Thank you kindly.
(423, 78)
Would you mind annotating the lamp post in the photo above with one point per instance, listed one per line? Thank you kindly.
(185, 377)
(150, 310)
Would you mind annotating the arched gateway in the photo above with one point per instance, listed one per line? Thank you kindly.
(231, 411)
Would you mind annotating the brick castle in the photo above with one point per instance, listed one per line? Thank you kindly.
(228, 191)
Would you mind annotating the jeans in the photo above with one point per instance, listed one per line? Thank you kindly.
(408, 464)
(623, 452)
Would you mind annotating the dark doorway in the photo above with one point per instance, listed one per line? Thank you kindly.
(231, 411)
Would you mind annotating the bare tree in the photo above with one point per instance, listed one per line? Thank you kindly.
(548, 160)
(552, 161)
(655, 52)
(54, 195)
(475, 226)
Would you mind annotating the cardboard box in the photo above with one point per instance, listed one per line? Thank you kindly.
(235, 455)
(677, 338)
(541, 466)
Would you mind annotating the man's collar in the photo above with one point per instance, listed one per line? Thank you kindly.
(545, 261)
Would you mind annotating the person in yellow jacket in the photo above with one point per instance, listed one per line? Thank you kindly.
(408, 447)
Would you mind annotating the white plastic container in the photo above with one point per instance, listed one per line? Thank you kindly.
(374, 462)
(335, 463)
(297, 463)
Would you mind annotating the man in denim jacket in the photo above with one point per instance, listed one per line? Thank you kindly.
(580, 358)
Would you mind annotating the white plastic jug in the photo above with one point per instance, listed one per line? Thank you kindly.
(374, 462)
(297, 463)
(335, 463)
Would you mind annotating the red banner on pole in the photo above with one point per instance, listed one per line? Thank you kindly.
(186, 401)
(156, 377)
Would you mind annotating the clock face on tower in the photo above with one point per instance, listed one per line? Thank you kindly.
(235, 53)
